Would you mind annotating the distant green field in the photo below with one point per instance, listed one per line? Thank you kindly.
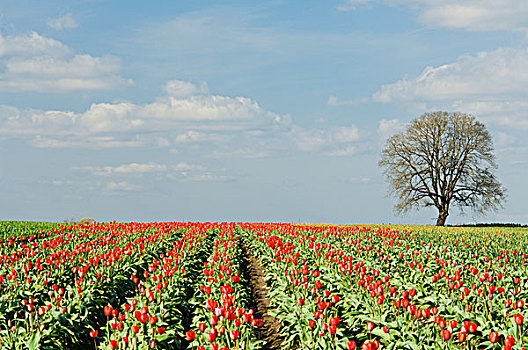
(24, 228)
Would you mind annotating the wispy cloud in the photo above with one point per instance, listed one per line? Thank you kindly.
(199, 136)
(132, 168)
(387, 128)
(337, 141)
(487, 74)
(114, 187)
(352, 4)
(471, 15)
(64, 22)
(334, 101)
(491, 85)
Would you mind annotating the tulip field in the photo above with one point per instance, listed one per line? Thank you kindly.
(190, 286)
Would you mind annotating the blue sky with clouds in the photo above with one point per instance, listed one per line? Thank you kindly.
(246, 110)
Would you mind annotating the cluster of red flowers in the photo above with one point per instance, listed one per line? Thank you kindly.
(423, 275)
(159, 285)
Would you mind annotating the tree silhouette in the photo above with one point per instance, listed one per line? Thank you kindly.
(442, 159)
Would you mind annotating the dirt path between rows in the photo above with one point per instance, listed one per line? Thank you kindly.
(269, 333)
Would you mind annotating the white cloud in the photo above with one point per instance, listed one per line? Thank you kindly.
(35, 63)
(346, 134)
(182, 171)
(209, 177)
(218, 126)
(387, 128)
(197, 136)
(183, 166)
(87, 141)
(114, 187)
(487, 74)
(503, 139)
(63, 22)
(196, 173)
(193, 117)
(244, 153)
(471, 15)
(132, 168)
(178, 88)
(363, 180)
(508, 113)
(352, 4)
(491, 85)
(328, 141)
(334, 101)
(348, 151)
(32, 44)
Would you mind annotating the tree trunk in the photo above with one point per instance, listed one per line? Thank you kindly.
(442, 216)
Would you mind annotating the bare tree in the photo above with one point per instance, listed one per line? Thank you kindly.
(440, 159)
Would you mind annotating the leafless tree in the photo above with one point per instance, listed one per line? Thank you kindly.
(442, 159)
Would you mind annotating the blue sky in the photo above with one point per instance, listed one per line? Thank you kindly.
(246, 110)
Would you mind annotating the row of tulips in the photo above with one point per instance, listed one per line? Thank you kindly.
(305, 302)
(159, 311)
(223, 319)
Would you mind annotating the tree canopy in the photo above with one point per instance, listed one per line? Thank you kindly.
(441, 159)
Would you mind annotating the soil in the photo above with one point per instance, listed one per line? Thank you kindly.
(269, 333)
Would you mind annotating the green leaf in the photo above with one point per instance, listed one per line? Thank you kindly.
(34, 341)
(380, 333)
(412, 345)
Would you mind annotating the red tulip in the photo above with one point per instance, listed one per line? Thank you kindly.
(462, 337)
(518, 319)
(113, 344)
(108, 311)
(370, 326)
(234, 334)
(210, 337)
(351, 345)
(442, 323)
(93, 333)
(493, 337)
(472, 328)
(190, 335)
(510, 340)
(446, 334)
